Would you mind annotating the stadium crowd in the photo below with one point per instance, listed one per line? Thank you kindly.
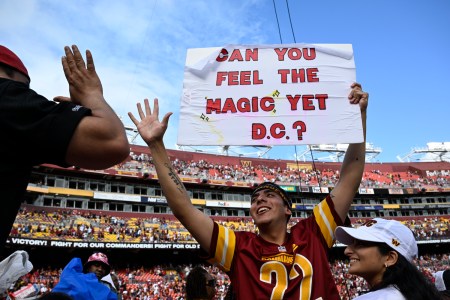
(202, 169)
(98, 226)
(76, 225)
(168, 282)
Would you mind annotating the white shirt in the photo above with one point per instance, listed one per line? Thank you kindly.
(390, 293)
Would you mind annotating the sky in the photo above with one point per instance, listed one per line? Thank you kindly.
(401, 51)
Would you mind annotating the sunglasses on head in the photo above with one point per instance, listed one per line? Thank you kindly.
(211, 283)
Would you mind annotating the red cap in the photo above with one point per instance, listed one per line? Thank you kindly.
(8, 58)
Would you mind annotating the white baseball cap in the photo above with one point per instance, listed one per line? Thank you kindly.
(391, 232)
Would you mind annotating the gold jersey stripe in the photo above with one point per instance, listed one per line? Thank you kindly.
(226, 242)
(326, 222)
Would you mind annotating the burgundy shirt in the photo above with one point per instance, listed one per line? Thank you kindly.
(298, 269)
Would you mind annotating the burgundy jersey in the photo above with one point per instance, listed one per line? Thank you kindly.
(298, 269)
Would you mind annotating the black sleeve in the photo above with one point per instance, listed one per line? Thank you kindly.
(38, 130)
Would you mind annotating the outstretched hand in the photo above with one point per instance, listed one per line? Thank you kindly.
(358, 96)
(150, 128)
(84, 84)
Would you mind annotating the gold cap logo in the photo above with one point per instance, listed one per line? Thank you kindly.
(370, 223)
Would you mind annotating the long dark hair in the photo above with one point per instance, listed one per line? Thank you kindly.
(405, 277)
(196, 284)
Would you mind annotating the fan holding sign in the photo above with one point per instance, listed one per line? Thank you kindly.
(274, 264)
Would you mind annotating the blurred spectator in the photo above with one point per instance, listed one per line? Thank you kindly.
(84, 282)
(442, 283)
(200, 285)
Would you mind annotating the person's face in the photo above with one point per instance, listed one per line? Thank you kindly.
(16, 76)
(98, 269)
(267, 206)
(366, 261)
(21, 78)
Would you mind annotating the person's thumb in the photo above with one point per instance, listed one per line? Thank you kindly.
(165, 120)
(62, 99)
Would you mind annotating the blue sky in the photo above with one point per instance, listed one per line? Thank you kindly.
(401, 52)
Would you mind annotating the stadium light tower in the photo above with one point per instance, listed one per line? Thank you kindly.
(132, 134)
(241, 151)
(434, 152)
(336, 152)
(131, 131)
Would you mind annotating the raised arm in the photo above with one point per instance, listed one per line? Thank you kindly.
(353, 166)
(152, 132)
(99, 140)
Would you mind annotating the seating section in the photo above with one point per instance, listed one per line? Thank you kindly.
(79, 225)
(204, 166)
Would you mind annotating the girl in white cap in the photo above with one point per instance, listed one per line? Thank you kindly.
(382, 252)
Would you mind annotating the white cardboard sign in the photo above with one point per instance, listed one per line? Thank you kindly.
(269, 95)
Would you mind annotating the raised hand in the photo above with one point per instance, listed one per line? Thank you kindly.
(85, 86)
(150, 128)
(358, 96)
